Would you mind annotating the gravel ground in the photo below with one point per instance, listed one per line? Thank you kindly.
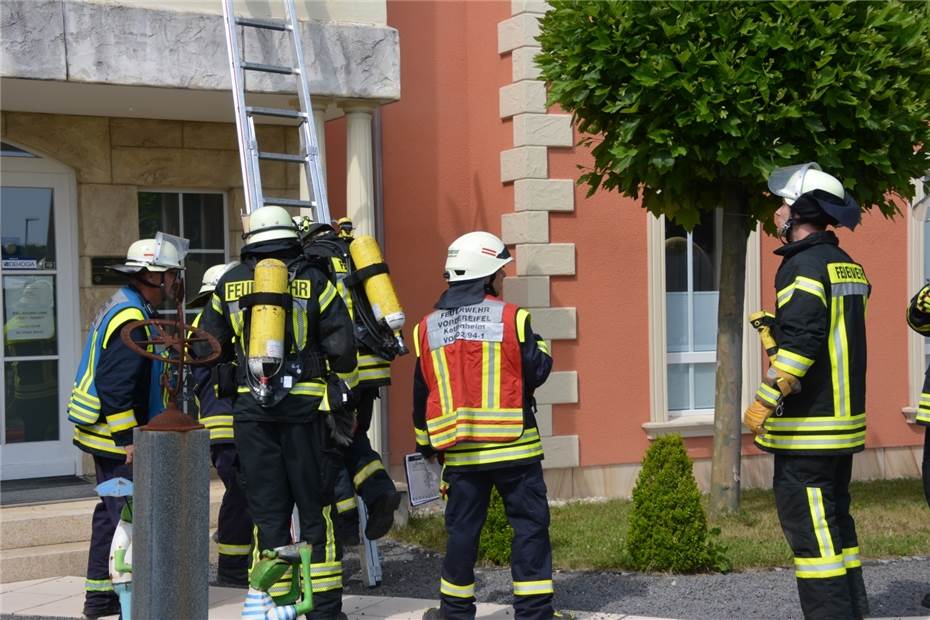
(895, 588)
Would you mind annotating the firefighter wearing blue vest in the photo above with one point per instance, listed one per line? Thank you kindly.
(234, 526)
(810, 409)
(478, 365)
(918, 317)
(366, 475)
(115, 391)
(295, 362)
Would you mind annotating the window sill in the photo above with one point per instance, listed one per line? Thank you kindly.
(909, 413)
(689, 426)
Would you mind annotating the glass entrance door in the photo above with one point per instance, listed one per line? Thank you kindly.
(39, 293)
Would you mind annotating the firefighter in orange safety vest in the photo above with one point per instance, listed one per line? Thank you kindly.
(478, 364)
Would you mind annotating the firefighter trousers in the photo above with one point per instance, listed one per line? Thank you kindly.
(98, 592)
(234, 526)
(288, 463)
(366, 476)
(926, 464)
(524, 493)
(369, 478)
(812, 497)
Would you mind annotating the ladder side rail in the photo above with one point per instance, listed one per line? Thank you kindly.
(252, 199)
(258, 193)
(313, 168)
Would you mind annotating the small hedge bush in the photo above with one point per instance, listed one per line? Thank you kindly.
(668, 526)
(497, 535)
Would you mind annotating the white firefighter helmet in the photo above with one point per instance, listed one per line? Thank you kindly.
(791, 182)
(823, 194)
(151, 255)
(475, 255)
(211, 278)
(269, 224)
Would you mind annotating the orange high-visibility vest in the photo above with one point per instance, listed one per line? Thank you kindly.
(471, 361)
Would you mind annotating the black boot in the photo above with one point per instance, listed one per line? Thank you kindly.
(102, 605)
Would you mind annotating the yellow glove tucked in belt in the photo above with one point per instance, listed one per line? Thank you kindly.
(755, 417)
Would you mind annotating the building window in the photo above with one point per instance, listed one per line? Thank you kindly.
(197, 216)
(684, 285)
(918, 274)
(692, 284)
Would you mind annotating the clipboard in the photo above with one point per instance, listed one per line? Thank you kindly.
(423, 478)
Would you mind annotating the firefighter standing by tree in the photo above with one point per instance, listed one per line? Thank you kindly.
(234, 526)
(810, 410)
(295, 360)
(116, 390)
(478, 365)
(918, 317)
(329, 248)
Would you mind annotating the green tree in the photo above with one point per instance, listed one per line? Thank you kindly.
(691, 104)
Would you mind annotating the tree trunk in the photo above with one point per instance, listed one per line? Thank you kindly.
(725, 468)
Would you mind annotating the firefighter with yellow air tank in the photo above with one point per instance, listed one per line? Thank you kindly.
(358, 272)
(295, 361)
(810, 408)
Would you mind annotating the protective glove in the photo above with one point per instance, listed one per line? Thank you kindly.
(923, 300)
(341, 420)
(341, 425)
(755, 415)
(786, 382)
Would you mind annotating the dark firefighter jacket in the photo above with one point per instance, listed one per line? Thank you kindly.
(920, 322)
(821, 296)
(318, 331)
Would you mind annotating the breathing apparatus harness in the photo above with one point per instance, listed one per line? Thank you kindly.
(274, 380)
(370, 332)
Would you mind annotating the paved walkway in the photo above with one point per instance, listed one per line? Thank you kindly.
(63, 597)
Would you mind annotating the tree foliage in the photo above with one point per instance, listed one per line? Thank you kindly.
(683, 101)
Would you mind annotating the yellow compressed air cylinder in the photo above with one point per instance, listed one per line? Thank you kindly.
(266, 329)
(378, 288)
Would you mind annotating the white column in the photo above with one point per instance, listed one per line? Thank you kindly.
(319, 123)
(360, 206)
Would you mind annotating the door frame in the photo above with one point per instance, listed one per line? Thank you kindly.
(30, 460)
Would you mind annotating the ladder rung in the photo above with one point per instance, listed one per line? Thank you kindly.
(255, 66)
(263, 23)
(287, 202)
(282, 157)
(279, 112)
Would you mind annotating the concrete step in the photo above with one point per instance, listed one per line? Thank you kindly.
(36, 525)
(43, 561)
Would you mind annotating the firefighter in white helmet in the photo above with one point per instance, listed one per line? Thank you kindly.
(233, 526)
(479, 362)
(116, 390)
(816, 389)
(293, 401)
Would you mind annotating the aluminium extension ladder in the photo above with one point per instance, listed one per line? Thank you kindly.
(250, 154)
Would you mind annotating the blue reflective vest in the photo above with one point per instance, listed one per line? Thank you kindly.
(93, 431)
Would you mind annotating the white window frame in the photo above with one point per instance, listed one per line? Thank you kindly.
(180, 193)
(916, 344)
(698, 424)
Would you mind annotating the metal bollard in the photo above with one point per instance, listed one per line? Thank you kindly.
(171, 525)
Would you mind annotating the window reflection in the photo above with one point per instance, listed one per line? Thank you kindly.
(27, 228)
